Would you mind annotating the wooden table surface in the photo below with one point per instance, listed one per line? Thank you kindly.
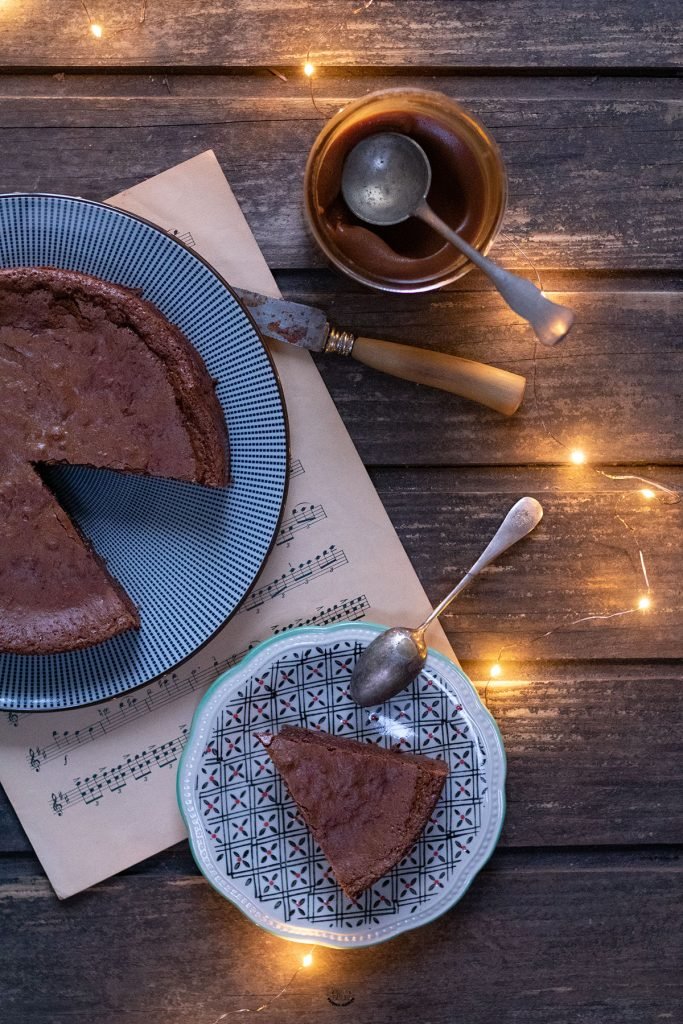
(575, 918)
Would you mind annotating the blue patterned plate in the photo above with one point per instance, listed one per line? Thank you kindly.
(245, 833)
(187, 555)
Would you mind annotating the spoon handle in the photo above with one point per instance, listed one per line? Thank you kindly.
(550, 321)
(522, 518)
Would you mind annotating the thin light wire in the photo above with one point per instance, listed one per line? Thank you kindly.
(269, 1002)
(673, 494)
(559, 629)
(310, 83)
(640, 551)
(510, 239)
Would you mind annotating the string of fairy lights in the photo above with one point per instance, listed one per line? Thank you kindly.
(650, 490)
(578, 457)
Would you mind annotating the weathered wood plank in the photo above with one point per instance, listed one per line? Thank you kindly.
(331, 82)
(624, 354)
(13, 839)
(538, 939)
(579, 740)
(592, 181)
(579, 561)
(243, 33)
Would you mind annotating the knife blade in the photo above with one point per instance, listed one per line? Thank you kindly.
(291, 322)
(308, 327)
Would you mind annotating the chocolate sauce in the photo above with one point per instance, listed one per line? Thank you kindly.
(410, 251)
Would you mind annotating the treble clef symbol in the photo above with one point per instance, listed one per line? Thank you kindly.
(56, 805)
(13, 718)
(34, 761)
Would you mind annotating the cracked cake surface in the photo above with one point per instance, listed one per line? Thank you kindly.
(90, 374)
(365, 805)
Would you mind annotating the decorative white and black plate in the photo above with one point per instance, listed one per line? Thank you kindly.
(187, 555)
(245, 833)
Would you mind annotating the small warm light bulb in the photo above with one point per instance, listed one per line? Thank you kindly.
(644, 603)
(578, 457)
(307, 960)
(495, 671)
(648, 493)
(309, 69)
(96, 31)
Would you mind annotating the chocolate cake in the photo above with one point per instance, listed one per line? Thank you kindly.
(90, 374)
(365, 805)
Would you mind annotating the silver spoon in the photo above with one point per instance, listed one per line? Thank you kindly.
(395, 657)
(385, 180)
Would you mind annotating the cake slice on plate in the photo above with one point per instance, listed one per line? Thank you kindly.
(365, 805)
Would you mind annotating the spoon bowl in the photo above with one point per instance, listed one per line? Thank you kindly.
(388, 665)
(386, 177)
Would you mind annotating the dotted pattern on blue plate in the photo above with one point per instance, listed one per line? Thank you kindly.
(254, 835)
(187, 555)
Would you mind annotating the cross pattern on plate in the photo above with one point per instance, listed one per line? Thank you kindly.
(257, 837)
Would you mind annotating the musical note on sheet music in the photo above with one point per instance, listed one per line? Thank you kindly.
(185, 237)
(296, 576)
(300, 518)
(295, 468)
(349, 610)
(90, 789)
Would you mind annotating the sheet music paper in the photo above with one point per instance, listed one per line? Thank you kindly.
(95, 788)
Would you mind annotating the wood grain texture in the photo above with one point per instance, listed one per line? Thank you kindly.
(243, 33)
(624, 353)
(579, 740)
(593, 179)
(538, 939)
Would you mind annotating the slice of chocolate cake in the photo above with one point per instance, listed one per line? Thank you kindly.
(365, 805)
(90, 374)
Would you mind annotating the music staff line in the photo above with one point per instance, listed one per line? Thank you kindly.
(349, 610)
(128, 709)
(135, 768)
(296, 576)
(172, 688)
(301, 518)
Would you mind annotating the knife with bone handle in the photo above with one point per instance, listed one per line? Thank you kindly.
(307, 327)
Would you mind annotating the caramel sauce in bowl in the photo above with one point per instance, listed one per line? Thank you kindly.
(468, 190)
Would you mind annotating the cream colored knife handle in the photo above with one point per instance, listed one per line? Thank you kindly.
(488, 385)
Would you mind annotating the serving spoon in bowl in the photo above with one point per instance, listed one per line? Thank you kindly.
(385, 180)
(397, 656)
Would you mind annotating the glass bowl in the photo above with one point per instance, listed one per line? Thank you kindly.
(469, 191)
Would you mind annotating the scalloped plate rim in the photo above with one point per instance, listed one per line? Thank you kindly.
(229, 681)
